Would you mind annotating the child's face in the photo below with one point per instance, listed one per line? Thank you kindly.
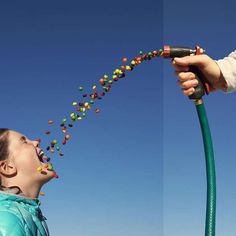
(24, 154)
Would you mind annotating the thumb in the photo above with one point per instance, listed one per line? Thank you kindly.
(198, 60)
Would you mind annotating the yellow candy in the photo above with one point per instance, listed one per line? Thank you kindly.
(132, 62)
(86, 104)
(79, 118)
(74, 103)
(72, 114)
(114, 76)
(105, 76)
(83, 109)
(39, 169)
(94, 87)
(120, 72)
(128, 68)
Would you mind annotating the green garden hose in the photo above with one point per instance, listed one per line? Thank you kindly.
(210, 169)
(200, 90)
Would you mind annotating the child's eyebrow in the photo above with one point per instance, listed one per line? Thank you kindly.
(22, 138)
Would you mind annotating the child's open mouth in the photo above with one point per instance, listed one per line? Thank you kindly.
(40, 155)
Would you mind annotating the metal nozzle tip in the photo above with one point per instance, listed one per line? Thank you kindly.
(202, 51)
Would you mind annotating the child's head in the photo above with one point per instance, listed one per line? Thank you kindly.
(19, 160)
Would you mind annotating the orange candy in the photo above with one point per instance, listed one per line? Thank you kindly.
(46, 165)
(124, 60)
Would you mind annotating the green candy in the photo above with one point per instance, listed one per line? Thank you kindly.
(81, 88)
(140, 52)
(83, 114)
(50, 167)
(55, 141)
(64, 120)
(110, 81)
(58, 148)
(91, 102)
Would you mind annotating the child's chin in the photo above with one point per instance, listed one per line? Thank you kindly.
(46, 176)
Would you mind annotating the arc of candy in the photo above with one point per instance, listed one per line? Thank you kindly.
(106, 84)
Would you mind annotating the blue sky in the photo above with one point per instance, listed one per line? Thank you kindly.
(136, 168)
(110, 179)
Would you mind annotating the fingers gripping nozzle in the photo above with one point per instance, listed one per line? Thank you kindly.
(202, 87)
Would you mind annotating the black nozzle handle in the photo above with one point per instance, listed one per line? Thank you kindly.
(200, 89)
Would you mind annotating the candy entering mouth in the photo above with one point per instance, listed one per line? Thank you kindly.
(40, 155)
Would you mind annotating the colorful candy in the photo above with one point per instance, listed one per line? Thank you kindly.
(88, 99)
(39, 169)
(38, 140)
(124, 60)
(50, 167)
(55, 174)
(46, 165)
(64, 142)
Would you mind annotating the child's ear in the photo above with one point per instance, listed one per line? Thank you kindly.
(7, 168)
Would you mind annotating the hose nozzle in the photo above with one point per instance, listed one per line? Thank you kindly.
(171, 52)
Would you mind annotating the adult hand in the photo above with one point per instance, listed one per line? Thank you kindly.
(206, 65)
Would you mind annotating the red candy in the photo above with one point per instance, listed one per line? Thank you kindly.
(38, 140)
(64, 142)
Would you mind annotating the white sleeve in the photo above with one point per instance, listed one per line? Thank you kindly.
(228, 68)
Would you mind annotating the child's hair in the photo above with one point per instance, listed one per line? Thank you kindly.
(3, 146)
